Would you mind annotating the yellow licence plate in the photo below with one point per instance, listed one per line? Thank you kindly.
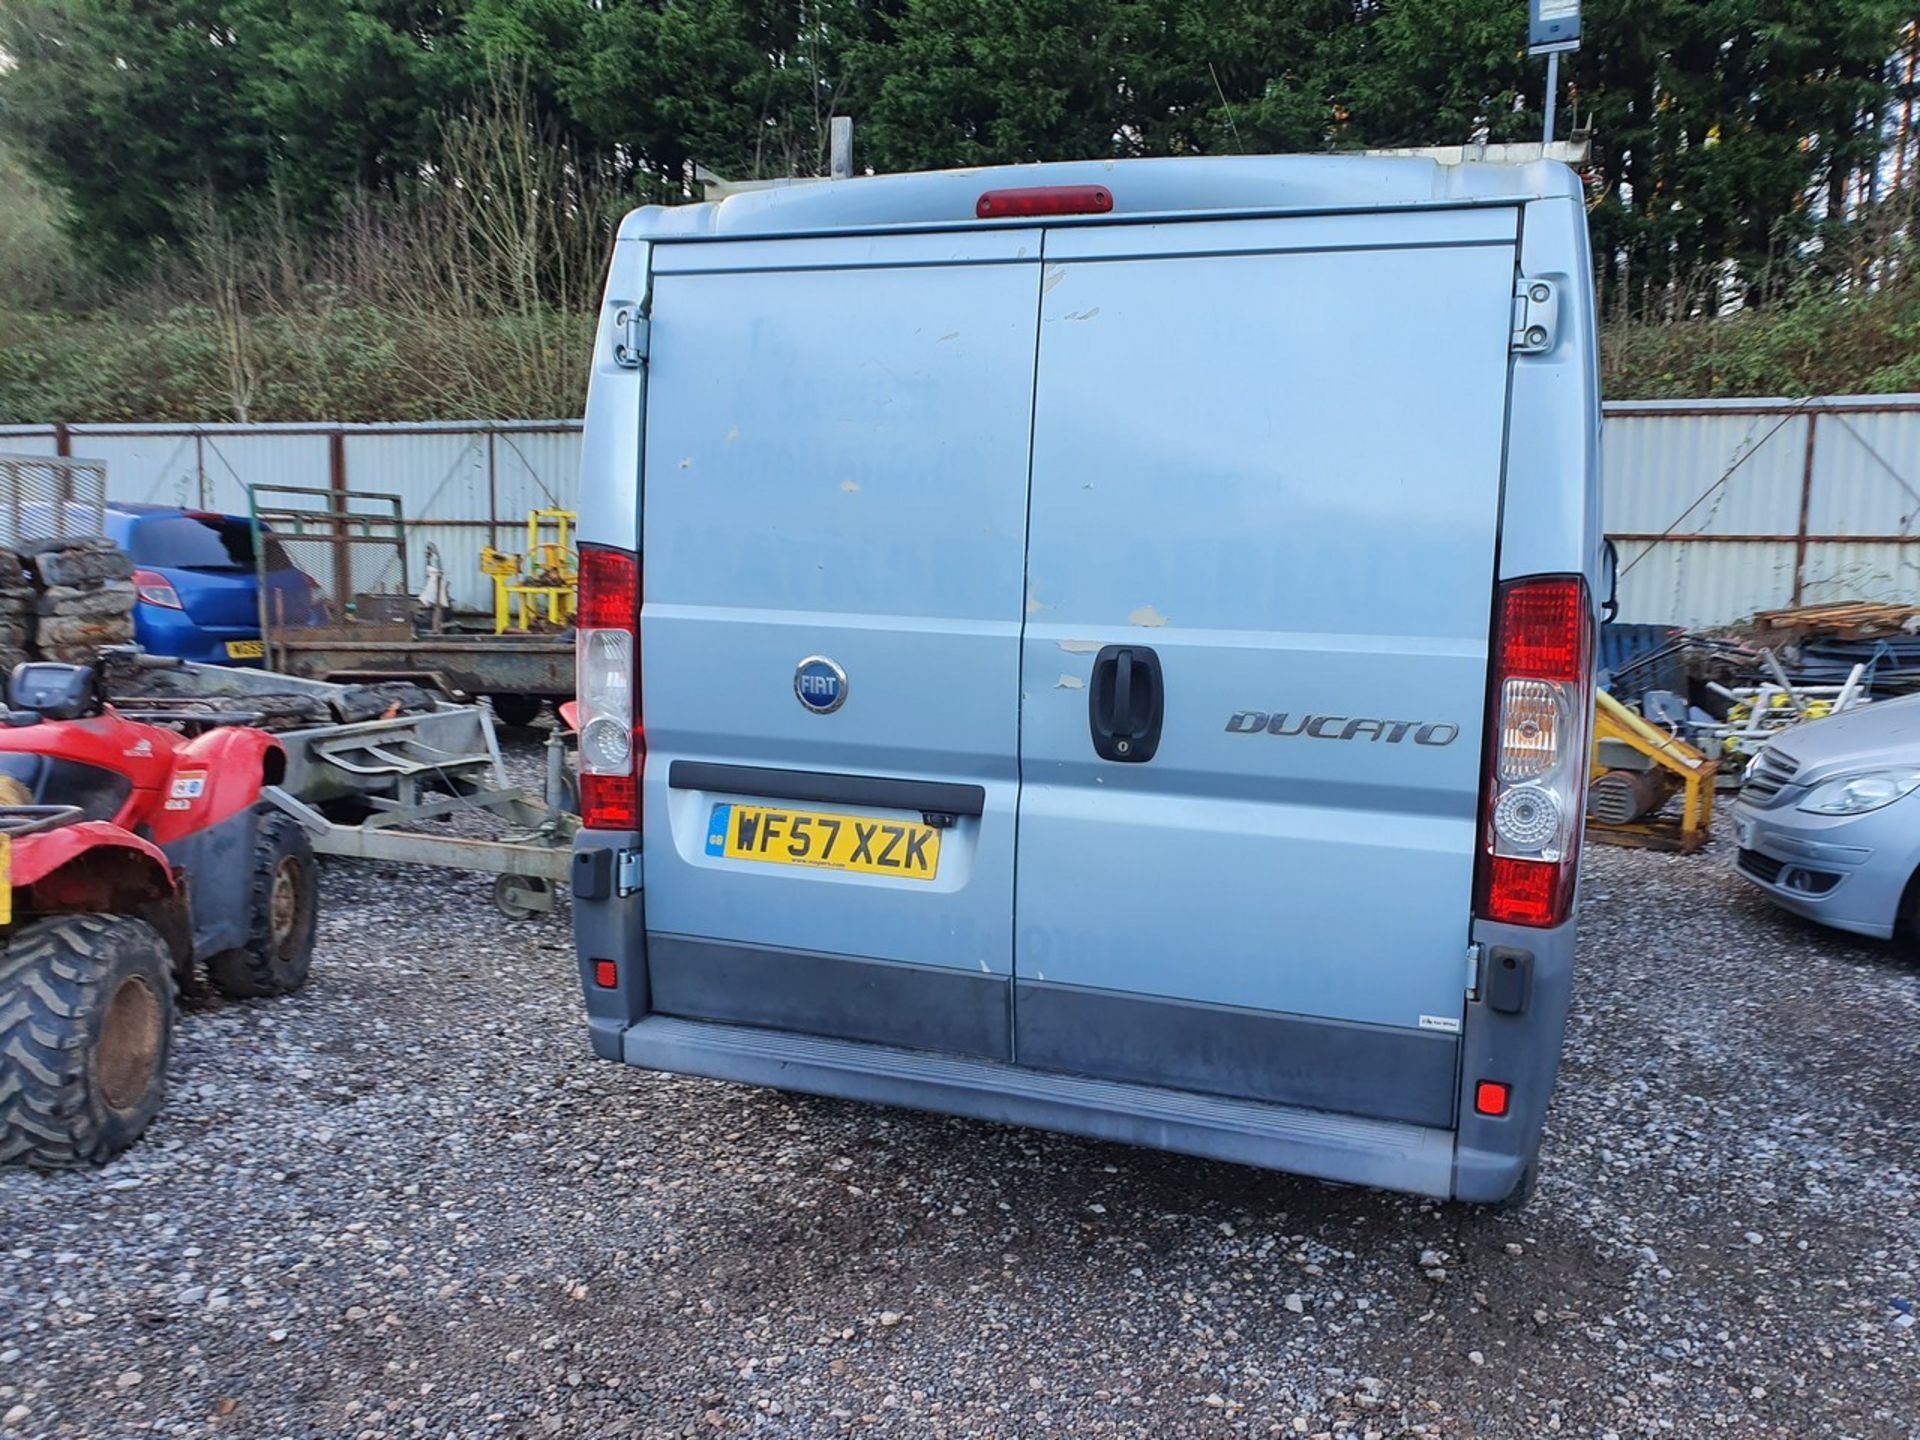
(861, 843)
(246, 650)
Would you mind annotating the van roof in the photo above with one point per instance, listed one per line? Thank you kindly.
(1184, 186)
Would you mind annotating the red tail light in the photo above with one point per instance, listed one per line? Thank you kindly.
(156, 589)
(607, 660)
(1540, 714)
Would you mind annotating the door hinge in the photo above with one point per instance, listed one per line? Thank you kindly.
(1536, 316)
(626, 872)
(1474, 952)
(631, 334)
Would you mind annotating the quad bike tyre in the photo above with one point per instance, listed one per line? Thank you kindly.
(86, 1022)
(282, 914)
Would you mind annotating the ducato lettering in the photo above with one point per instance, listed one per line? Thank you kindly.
(1432, 733)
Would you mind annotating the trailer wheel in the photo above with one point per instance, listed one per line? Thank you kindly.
(517, 710)
(279, 949)
(521, 897)
(86, 1022)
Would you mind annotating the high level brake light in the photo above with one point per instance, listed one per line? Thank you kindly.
(607, 656)
(1537, 760)
(1045, 200)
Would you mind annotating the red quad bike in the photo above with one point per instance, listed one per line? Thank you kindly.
(128, 853)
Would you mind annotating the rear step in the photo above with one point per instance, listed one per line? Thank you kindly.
(1279, 1137)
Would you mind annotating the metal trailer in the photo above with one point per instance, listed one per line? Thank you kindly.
(368, 625)
(387, 773)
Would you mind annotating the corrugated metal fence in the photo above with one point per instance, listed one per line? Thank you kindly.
(1722, 508)
(1719, 508)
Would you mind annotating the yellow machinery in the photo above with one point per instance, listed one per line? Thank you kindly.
(549, 571)
(1637, 769)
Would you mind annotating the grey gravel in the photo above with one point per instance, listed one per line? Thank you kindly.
(407, 1202)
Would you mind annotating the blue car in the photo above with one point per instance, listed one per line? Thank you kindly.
(199, 585)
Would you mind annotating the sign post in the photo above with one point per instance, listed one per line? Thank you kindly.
(1552, 26)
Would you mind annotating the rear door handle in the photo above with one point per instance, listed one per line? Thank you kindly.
(1125, 704)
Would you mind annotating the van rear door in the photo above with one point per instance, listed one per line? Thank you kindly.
(1266, 489)
(835, 491)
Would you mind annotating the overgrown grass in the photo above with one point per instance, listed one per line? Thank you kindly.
(346, 362)
(469, 295)
(1859, 343)
(339, 360)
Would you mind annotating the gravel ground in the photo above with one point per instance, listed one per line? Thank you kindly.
(408, 1202)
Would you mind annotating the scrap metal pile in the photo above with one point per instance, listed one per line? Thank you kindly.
(1730, 695)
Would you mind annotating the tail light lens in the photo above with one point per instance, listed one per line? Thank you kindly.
(1542, 707)
(156, 589)
(607, 664)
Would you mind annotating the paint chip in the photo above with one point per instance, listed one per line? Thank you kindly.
(852, 487)
(1054, 276)
(687, 464)
(1148, 616)
(1069, 682)
(1080, 647)
(950, 335)
(1084, 314)
(733, 434)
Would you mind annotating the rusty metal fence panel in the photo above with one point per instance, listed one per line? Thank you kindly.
(1722, 508)
(1719, 507)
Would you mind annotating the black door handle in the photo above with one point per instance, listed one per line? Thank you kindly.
(1125, 704)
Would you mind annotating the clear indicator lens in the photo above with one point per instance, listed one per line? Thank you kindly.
(606, 746)
(605, 666)
(1531, 721)
(1527, 818)
(606, 671)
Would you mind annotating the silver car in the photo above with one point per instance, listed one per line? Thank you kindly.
(1828, 821)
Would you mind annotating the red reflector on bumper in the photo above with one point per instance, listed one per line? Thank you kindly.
(1490, 1097)
(606, 974)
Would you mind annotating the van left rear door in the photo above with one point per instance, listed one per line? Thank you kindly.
(834, 511)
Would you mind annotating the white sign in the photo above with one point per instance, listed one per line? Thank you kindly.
(1553, 24)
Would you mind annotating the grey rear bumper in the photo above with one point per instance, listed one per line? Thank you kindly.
(1309, 1142)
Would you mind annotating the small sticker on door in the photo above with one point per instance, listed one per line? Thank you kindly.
(1440, 1022)
(189, 785)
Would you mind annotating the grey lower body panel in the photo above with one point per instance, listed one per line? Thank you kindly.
(883, 1002)
(1299, 1061)
(1344, 1148)
(1293, 1060)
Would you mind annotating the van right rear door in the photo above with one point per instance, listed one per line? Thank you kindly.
(1266, 490)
